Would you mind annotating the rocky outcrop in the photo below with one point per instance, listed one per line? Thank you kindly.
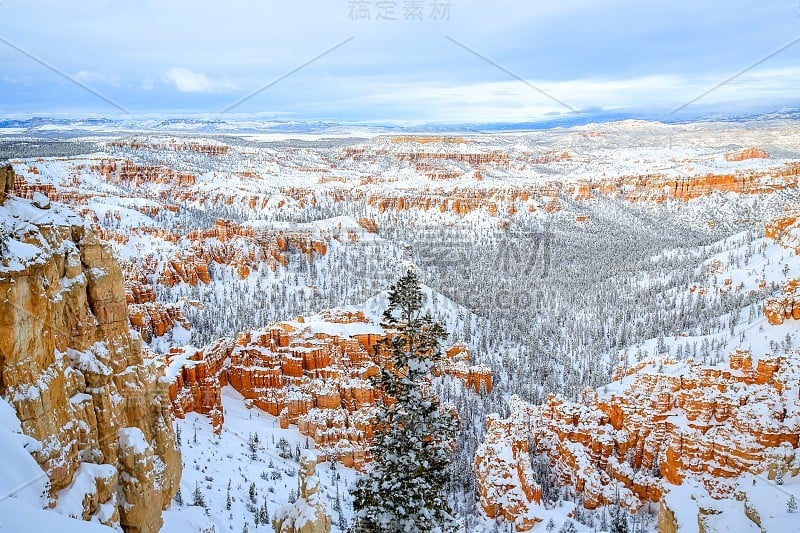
(128, 173)
(6, 181)
(746, 153)
(308, 514)
(785, 230)
(506, 484)
(659, 188)
(544, 196)
(313, 372)
(154, 319)
(457, 363)
(684, 420)
(77, 377)
(242, 248)
(786, 306)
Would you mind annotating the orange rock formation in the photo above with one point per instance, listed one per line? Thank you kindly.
(708, 422)
(304, 376)
(747, 153)
(226, 243)
(786, 306)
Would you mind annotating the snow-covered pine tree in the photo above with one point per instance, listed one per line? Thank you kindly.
(791, 504)
(404, 490)
(197, 496)
(619, 520)
(4, 238)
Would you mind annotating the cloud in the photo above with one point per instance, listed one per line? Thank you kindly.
(97, 78)
(188, 81)
(513, 101)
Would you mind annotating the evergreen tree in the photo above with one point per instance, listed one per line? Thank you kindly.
(264, 512)
(619, 522)
(4, 238)
(405, 488)
(252, 445)
(179, 498)
(779, 477)
(285, 450)
(568, 527)
(791, 504)
(197, 496)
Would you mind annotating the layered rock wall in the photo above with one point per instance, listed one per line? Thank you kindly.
(304, 375)
(76, 376)
(687, 420)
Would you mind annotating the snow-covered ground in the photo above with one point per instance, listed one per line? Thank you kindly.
(212, 463)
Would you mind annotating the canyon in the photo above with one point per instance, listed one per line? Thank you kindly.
(170, 297)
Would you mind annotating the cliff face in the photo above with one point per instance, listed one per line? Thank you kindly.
(225, 243)
(746, 153)
(786, 306)
(708, 423)
(313, 372)
(76, 376)
(784, 230)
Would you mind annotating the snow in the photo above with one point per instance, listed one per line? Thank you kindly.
(17, 516)
(132, 439)
(227, 457)
(26, 245)
(23, 485)
(84, 482)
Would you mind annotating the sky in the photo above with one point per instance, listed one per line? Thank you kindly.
(401, 61)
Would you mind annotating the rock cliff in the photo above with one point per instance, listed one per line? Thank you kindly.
(648, 431)
(308, 514)
(786, 306)
(76, 376)
(313, 372)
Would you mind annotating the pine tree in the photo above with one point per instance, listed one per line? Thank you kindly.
(252, 444)
(179, 498)
(791, 504)
(252, 492)
(619, 522)
(568, 527)
(405, 487)
(4, 238)
(264, 512)
(285, 450)
(197, 496)
(779, 477)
